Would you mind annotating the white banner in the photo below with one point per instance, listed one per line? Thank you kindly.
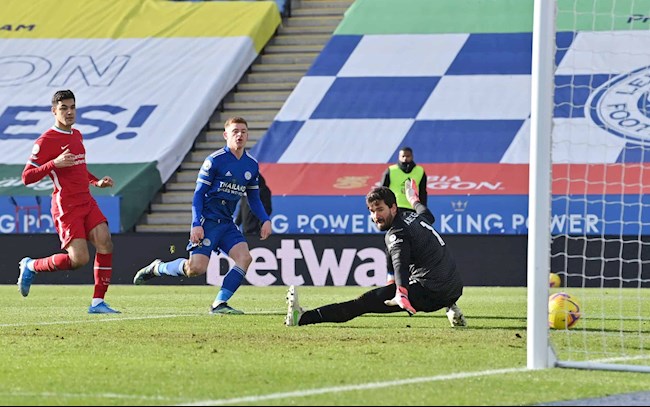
(138, 100)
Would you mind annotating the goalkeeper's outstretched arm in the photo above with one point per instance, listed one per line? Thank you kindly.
(411, 192)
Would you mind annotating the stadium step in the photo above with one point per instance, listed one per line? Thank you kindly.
(191, 166)
(295, 49)
(177, 207)
(169, 218)
(254, 105)
(176, 197)
(314, 21)
(324, 4)
(265, 87)
(302, 39)
(251, 115)
(310, 29)
(334, 10)
(258, 97)
(266, 77)
(143, 227)
(295, 58)
(184, 176)
(184, 186)
(301, 68)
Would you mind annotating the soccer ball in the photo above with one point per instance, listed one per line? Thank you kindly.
(554, 280)
(563, 311)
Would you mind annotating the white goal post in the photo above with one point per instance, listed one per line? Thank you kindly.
(589, 182)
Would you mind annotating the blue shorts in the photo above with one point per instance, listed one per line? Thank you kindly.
(219, 235)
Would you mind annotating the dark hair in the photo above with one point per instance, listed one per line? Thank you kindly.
(62, 95)
(235, 119)
(381, 194)
(407, 149)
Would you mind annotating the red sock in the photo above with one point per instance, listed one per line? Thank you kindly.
(103, 270)
(55, 262)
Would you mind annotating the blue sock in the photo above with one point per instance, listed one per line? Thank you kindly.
(231, 283)
(172, 268)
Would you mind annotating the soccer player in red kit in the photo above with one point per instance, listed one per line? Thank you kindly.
(60, 154)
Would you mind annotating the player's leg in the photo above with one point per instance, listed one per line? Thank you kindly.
(233, 243)
(157, 268)
(196, 265)
(370, 302)
(423, 299)
(70, 228)
(100, 236)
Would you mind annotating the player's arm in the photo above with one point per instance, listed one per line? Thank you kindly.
(196, 232)
(257, 207)
(412, 195)
(399, 248)
(33, 172)
(207, 174)
(92, 180)
(198, 200)
(390, 273)
(255, 202)
(239, 219)
(39, 164)
(422, 189)
(105, 182)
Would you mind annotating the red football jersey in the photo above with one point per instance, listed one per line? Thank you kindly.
(71, 184)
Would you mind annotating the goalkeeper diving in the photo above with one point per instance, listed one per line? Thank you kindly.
(425, 272)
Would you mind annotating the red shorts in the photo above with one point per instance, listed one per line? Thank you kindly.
(77, 222)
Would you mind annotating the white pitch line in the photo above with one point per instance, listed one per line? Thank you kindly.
(354, 387)
(117, 319)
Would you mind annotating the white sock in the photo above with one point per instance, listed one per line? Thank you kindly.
(97, 301)
(216, 303)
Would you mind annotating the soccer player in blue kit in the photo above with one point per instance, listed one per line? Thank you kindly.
(225, 176)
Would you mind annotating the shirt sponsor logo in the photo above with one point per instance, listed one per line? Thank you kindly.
(232, 188)
(621, 106)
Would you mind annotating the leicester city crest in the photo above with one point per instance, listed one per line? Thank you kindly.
(621, 106)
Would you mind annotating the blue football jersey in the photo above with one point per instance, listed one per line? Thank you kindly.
(222, 181)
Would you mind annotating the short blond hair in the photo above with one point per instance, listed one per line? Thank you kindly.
(235, 119)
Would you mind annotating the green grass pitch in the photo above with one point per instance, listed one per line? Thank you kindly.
(165, 349)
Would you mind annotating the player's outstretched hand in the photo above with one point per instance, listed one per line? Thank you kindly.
(401, 299)
(411, 192)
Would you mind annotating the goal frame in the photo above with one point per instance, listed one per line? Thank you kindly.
(540, 354)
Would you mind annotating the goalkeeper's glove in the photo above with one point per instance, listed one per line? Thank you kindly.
(401, 299)
(411, 192)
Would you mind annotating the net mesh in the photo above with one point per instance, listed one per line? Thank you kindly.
(600, 220)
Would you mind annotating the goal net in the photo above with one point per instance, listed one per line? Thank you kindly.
(590, 153)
